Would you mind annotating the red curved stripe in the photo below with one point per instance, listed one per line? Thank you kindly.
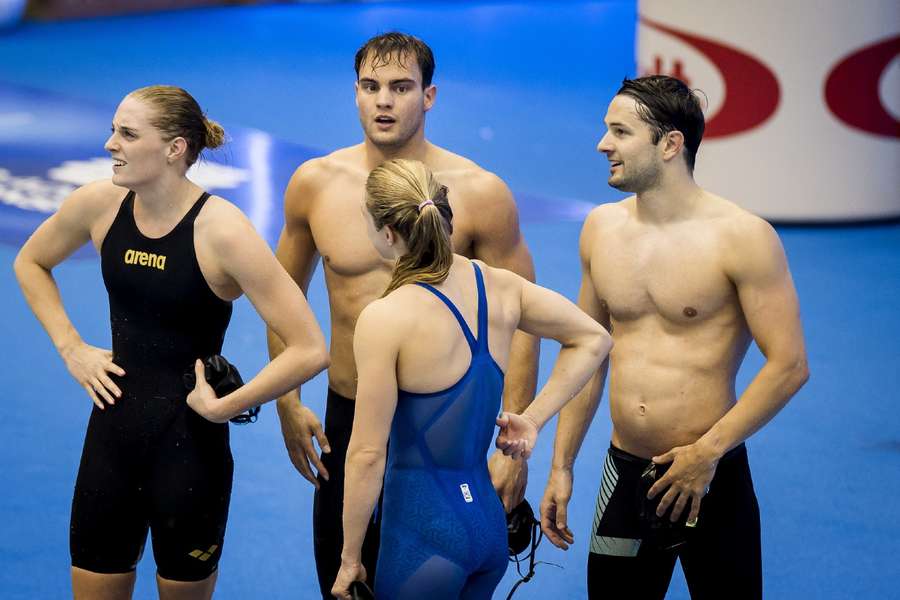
(851, 89)
(751, 89)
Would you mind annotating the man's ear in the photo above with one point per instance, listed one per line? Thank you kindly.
(430, 94)
(673, 143)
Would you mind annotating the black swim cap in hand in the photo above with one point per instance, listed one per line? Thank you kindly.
(223, 377)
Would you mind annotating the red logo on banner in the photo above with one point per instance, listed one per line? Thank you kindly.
(851, 90)
(751, 89)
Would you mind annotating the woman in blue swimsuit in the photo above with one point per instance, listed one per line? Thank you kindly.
(430, 356)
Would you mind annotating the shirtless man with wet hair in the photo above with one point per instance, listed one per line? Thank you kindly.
(685, 280)
(322, 219)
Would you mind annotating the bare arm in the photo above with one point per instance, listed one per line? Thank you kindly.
(376, 342)
(57, 238)
(577, 416)
(769, 303)
(585, 345)
(243, 256)
(757, 266)
(499, 243)
(297, 253)
(575, 419)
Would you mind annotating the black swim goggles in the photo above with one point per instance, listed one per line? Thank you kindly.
(523, 533)
(223, 377)
(360, 591)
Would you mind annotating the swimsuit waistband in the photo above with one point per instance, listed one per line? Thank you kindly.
(740, 449)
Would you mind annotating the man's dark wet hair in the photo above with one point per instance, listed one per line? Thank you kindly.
(395, 45)
(667, 104)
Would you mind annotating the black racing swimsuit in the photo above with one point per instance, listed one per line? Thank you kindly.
(149, 461)
(633, 553)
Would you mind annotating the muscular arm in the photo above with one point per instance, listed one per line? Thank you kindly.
(585, 345)
(575, 419)
(296, 251)
(756, 264)
(759, 270)
(499, 243)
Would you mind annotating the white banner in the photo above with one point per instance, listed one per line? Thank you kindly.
(803, 115)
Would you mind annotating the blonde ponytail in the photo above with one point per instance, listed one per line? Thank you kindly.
(404, 195)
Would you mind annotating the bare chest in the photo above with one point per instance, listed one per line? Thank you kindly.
(678, 278)
(340, 234)
(342, 241)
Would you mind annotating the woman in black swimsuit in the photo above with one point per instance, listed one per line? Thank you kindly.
(173, 258)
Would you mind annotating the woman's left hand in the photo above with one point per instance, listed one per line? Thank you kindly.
(202, 398)
(517, 435)
(348, 573)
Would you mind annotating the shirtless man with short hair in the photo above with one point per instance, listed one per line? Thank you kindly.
(322, 218)
(685, 280)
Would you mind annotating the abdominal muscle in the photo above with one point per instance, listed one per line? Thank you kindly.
(669, 388)
(348, 296)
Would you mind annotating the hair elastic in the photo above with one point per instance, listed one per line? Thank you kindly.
(425, 203)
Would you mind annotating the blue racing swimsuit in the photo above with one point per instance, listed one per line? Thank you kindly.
(443, 531)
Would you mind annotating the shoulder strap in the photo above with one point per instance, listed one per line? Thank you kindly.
(124, 218)
(195, 209)
(126, 210)
(473, 343)
(482, 308)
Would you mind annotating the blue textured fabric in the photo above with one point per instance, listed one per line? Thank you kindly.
(443, 532)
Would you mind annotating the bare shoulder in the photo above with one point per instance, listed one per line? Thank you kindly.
(224, 226)
(739, 226)
(467, 181)
(603, 220)
(499, 279)
(304, 184)
(442, 160)
(92, 202)
(388, 318)
(342, 163)
(609, 214)
(748, 241)
(99, 195)
(316, 175)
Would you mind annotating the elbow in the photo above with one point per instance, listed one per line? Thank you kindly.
(599, 344)
(309, 360)
(800, 372)
(603, 342)
(25, 268)
(317, 359)
(366, 457)
(20, 266)
(794, 373)
(607, 342)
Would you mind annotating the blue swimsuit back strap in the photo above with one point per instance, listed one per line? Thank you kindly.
(482, 309)
(474, 344)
